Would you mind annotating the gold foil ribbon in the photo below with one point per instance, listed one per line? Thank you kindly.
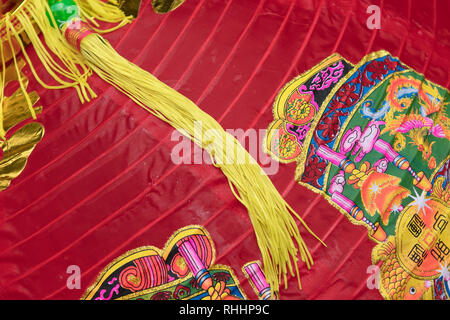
(19, 145)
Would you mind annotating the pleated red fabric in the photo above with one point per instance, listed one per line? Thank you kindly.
(101, 181)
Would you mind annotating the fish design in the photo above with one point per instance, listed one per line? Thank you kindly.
(395, 283)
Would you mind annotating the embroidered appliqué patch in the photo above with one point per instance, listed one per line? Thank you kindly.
(183, 270)
(377, 148)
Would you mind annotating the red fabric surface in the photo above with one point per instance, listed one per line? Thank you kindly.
(101, 181)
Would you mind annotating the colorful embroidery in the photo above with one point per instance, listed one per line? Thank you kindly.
(335, 112)
(378, 150)
(255, 275)
(298, 103)
(184, 270)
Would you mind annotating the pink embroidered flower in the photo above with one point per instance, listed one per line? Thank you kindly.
(337, 183)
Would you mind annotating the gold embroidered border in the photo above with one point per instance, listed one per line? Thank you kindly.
(439, 167)
(350, 117)
(250, 280)
(145, 251)
(217, 267)
(397, 229)
(277, 109)
(300, 165)
(303, 155)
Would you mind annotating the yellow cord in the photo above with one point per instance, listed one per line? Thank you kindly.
(62, 62)
(276, 232)
(92, 10)
(19, 76)
(66, 71)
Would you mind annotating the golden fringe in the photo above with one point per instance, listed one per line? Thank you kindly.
(62, 62)
(92, 10)
(29, 18)
(274, 226)
(276, 232)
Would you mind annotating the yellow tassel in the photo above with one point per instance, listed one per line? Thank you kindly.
(19, 76)
(69, 70)
(66, 71)
(92, 10)
(276, 232)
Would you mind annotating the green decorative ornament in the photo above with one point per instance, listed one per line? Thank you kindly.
(63, 11)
